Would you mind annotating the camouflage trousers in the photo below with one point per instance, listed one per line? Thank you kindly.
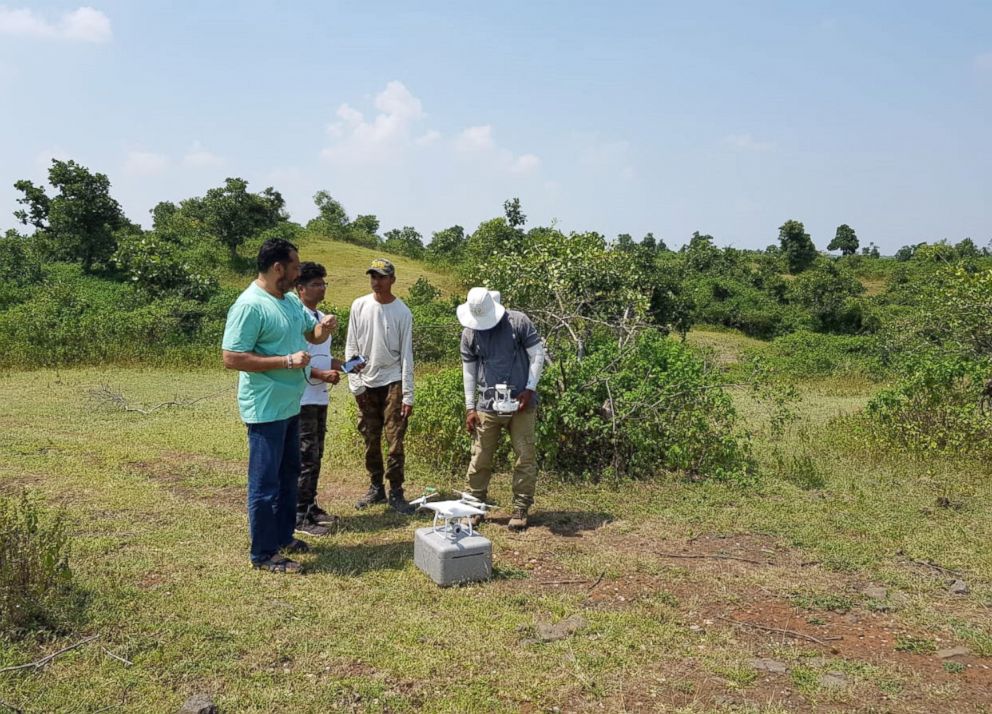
(380, 411)
(313, 428)
(485, 439)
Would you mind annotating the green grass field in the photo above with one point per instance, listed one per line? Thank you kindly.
(677, 591)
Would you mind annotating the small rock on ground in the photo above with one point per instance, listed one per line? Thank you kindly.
(199, 704)
(769, 665)
(954, 652)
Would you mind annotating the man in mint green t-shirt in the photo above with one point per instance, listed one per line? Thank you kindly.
(265, 339)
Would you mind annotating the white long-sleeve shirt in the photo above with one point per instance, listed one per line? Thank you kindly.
(383, 334)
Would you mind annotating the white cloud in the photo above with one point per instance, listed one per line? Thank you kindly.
(477, 143)
(145, 163)
(474, 139)
(394, 133)
(746, 142)
(384, 137)
(199, 158)
(983, 62)
(83, 24)
(429, 138)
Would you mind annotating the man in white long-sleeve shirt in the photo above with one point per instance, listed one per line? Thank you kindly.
(380, 328)
(500, 347)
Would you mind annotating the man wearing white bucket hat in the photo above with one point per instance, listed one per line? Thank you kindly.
(502, 359)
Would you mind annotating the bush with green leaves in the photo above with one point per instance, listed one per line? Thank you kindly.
(639, 410)
(158, 267)
(75, 318)
(935, 408)
(436, 332)
(36, 584)
(805, 354)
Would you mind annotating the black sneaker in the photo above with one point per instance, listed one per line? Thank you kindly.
(319, 516)
(375, 494)
(296, 546)
(306, 525)
(400, 504)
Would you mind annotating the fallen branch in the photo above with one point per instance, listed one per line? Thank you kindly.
(115, 399)
(11, 707)
(788, 633)
(598, 581)
(718, 556)
(126, 662)
(934, 566)
(561, 582)
(38, 664)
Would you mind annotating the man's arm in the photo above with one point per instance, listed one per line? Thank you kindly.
(252, 362)
(327, 326)
(406, 357)
(351, 349)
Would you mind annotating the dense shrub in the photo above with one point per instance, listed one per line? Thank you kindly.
(806, 354)
(79, 319)
(934, 408)
(650, 408)
(36, 586)
(436, 331)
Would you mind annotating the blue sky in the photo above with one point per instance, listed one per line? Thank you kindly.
(723, 117)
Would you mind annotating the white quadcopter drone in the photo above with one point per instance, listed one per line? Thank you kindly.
(453, 518)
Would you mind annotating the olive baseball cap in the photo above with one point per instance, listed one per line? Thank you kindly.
(381, 266)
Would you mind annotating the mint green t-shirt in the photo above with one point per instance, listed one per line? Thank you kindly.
(266, 325)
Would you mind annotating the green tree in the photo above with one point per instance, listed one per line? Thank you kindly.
(797, 246)
(845, 240)
(514, 216)
(233, 215)
(404, 241)
(364, 230)
(625, 242)
(447, 245)
(78, 223)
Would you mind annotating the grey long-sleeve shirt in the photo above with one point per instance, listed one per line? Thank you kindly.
(384, 335)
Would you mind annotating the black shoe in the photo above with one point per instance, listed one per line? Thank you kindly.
(375, 494)
(305, 525)
(400, 504)
(319, 516)
(296, 546)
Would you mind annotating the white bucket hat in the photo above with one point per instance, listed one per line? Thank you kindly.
(480, 311)
(497, 296)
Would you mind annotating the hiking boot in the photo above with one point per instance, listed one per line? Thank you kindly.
(400, 504)
(518, 521)
(319, 516)
(375, 494)
(305, 524)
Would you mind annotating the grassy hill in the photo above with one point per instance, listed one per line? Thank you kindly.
(346, 264)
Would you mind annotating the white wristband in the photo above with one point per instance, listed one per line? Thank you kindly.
(289, 361)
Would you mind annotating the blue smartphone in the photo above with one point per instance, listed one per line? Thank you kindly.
(356, 361)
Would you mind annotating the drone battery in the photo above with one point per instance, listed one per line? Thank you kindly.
(452, 558)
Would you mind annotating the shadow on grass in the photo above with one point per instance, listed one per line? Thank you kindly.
(570, 523)
(359, 559)
(371, 522)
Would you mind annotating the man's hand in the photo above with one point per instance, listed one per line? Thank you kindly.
(329, 323)
(524, 399)
(332, 377)
(300, 359)
(406, 411)
(471, 421)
